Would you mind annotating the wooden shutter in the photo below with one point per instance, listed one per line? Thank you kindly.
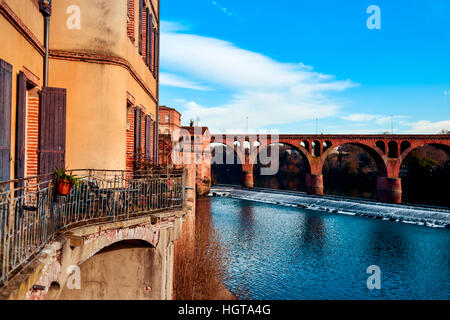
(5, 119)
(156, 53)
(141, 25)
(155, 143)
(149, 39)
(137, 130)
(20, 125)
(148, 136)
(52, 129)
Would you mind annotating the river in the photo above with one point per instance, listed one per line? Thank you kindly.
(278, 253)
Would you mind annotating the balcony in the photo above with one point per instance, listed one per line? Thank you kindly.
(32, 214)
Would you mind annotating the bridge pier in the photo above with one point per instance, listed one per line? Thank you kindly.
(247, 179)
(389, 189)
(247, 174)
(314, 184)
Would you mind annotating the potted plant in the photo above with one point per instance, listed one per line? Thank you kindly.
(205, 180)
(65, 182)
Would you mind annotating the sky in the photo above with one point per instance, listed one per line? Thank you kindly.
(306, 67)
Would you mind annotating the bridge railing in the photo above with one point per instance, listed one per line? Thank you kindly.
(32, 213)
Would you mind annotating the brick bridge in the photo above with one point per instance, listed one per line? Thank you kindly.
(111, 237)
(388, 151)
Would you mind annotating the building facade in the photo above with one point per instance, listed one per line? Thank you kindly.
(169, 120)
(196, 143)
(100, 107)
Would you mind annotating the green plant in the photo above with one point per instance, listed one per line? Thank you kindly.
(61, 174)
(205, 180)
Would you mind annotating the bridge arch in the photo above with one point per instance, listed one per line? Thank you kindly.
(381, 145)
(411, 148)
(300, 149)
(236, 148)
(305, 145)
(425, 172)
(295, 163)
(316, 148)
(393, 151)
(219, 163)
(123, 270)
(376, 155)
(363, 182)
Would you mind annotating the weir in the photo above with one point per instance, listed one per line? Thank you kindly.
(437, 217)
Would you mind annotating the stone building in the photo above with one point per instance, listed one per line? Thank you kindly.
(99, 105)
(199, 140)
(169, 120)
(192, 144)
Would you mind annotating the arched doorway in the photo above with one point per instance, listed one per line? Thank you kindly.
(352, 170)
(226, 166)
(291, 175)
(425, 173)
(127, 270)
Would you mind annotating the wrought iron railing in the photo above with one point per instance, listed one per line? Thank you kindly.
(32, 213)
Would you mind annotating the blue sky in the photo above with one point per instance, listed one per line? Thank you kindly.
(284, 64)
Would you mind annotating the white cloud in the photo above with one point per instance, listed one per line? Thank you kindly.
(170, 26)
(375, 118)
(267, 91)
(174, 80)
(360, 117)
(428, 127)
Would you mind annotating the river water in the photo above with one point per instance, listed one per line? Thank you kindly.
(279, 253)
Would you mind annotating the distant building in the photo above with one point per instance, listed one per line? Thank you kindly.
(199, 140)
(169, 120)
(193, 146)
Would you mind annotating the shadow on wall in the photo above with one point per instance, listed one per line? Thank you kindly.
(128, 270)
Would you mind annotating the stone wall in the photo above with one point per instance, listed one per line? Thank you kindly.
(124, 260)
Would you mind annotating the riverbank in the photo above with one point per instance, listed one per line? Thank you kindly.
(420, 215)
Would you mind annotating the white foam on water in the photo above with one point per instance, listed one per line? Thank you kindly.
(432, 217)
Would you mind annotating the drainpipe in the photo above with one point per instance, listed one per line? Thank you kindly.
(47, 29)
(156, 144)
(45, 6)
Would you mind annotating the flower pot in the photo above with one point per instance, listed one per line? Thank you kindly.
(64, 187)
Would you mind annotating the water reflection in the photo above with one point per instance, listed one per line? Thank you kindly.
(313, 233)
(246, 224)
(291, 253)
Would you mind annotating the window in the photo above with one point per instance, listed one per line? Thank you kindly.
(167, 119)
